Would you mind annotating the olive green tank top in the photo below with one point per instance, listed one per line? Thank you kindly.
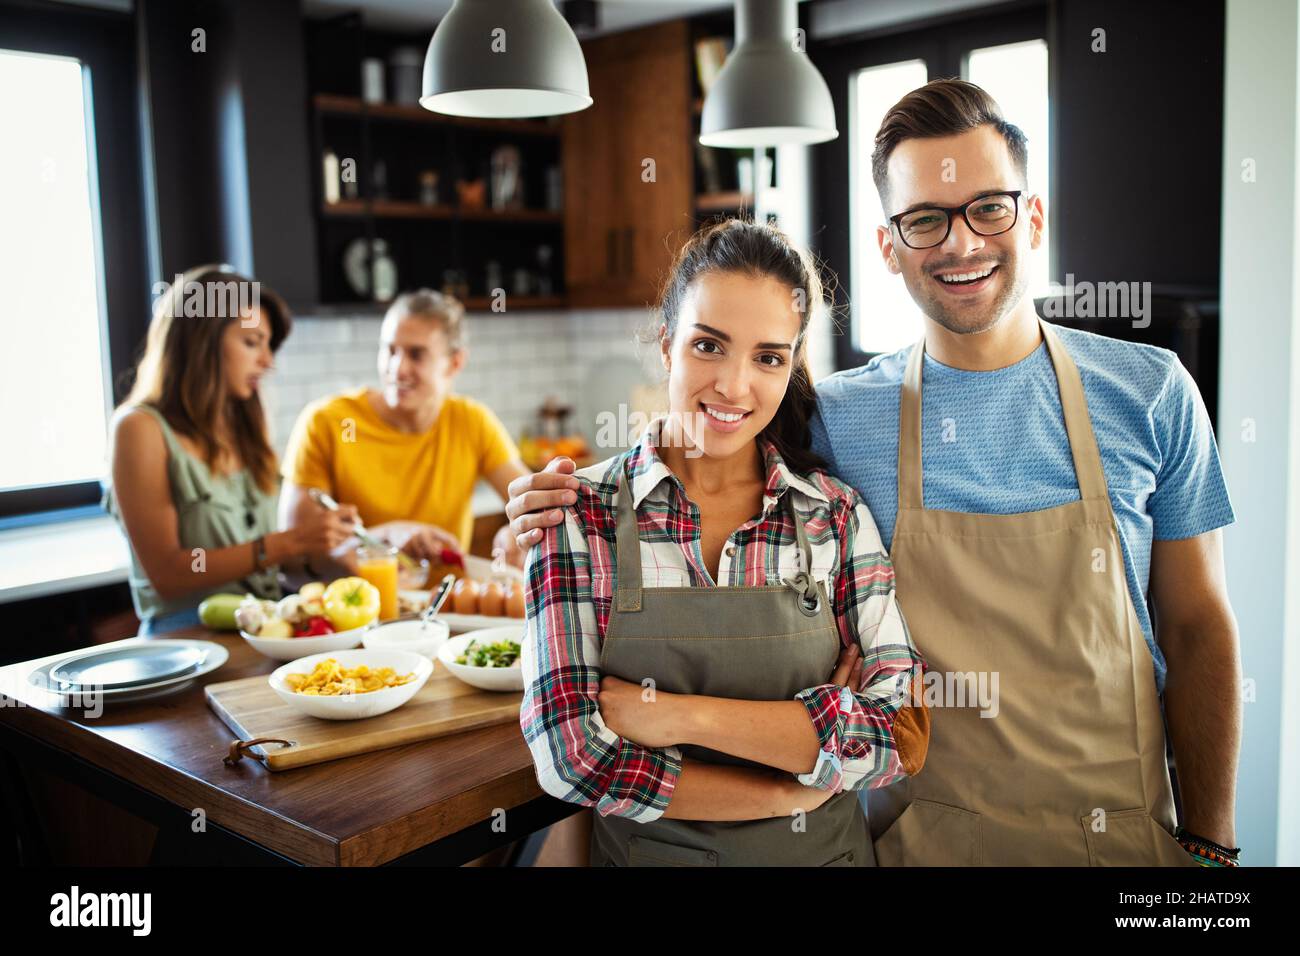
(212, 511)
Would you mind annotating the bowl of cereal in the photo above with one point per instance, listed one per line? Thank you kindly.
(352, 684)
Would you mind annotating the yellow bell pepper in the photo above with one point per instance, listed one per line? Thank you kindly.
(351, 603)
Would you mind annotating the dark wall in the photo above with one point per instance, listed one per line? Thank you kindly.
(181, 93)
(273, 77)
(1138, 140)
(230, 141)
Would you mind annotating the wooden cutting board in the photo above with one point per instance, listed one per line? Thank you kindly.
(444, 705)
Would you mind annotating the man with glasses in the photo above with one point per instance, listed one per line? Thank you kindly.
(1042, 492)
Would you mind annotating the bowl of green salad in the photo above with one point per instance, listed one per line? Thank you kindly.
(487, 658)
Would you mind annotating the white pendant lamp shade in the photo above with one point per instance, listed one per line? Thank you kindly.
(767, 93)
(504, 58)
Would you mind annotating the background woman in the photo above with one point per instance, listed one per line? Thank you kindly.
(194, 479)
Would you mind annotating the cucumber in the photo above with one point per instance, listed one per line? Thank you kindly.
(218, 611)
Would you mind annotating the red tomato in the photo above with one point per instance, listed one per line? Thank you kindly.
(314, 627)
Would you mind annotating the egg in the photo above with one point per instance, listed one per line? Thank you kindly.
(515, 600)
(464, 596)
(493, 599)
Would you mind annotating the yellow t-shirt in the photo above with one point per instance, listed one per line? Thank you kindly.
(341, 446)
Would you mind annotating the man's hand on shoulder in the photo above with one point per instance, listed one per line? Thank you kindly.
(536, 500)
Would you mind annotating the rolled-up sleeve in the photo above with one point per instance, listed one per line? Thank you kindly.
(577, 757)
(879, 731)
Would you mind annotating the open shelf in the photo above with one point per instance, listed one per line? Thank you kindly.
(334, 105)
(400, 151)
(402, 209)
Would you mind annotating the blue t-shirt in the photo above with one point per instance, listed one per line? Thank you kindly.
(995, 443)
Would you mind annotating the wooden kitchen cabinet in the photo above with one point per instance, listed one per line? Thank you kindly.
(621, 231)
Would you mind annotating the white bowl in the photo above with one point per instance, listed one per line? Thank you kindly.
(292, 648)
(408, 636)
(354, 706)
(486, 678)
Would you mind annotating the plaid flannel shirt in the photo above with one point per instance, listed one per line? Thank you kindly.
(570, 579)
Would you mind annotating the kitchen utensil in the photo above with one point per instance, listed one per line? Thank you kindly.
(129, 666)
(439, 599)
(325, 501)
(214, 656)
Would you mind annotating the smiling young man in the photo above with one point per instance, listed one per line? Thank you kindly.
(407, 454)
(1047, 496)
(1043, 491)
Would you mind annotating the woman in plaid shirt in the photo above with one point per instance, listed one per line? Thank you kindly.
(716, 664)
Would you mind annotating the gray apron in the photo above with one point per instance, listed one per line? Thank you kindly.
(749, 643)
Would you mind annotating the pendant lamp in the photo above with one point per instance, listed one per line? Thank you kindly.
(767, 93)
(504, 58)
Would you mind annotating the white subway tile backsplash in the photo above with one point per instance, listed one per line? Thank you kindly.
(516, 360)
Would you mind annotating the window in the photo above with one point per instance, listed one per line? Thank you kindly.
(1015, 74)
(867, 73)
(54, 360)
(884, 316)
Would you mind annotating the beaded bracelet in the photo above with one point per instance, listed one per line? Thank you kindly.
(1207, 852)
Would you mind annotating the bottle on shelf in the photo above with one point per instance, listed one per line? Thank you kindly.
(330, 176)
(372, 80)
(384, 270)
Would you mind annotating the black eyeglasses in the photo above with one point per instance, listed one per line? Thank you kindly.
(989, 215)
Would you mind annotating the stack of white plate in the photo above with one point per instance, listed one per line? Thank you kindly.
(129, 670)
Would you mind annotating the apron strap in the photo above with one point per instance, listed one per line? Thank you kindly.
(1074, 406)
(627, 564)
(909, 432)
(1078, 426)
(804, 547)
(627, 570)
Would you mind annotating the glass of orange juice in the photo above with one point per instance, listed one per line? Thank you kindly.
(378, 565)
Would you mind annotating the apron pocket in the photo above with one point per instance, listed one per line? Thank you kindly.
(931, 834)
(1132, 838)
(643, 852)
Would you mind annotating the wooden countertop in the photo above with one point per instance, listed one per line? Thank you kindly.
(358, 811)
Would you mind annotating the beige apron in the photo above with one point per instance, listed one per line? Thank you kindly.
(1071, 770)
(751, 643)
